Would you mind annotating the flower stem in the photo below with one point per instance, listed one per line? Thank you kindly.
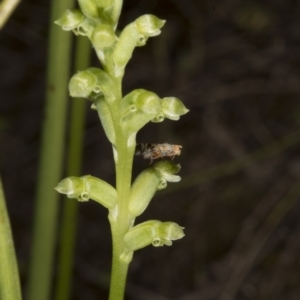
(121, 221)
(119, 269)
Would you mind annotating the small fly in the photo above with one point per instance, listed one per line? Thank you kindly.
(155, 151)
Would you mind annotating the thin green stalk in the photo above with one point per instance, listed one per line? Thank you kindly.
(123, 223)
(74, 158)
(120, 226)
(51, 163)
(118, 277)
(9, 277)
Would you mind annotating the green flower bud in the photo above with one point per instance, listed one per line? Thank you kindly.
(103, 36)
(89, 8)
(149, 25)
(106, 119)
(124, 48)
(141, 235)
(104, 3)
(169, 231)
(91, 83)
(143, 190)
(138, 237)
(82, 84)
(134, 34)
(173, 108)
(88, 187)
(138, 108)
(152, 232)
(100, 191)
(142, 100)
(72, 187)
(70, 19)
(167, 169)
(147, 102)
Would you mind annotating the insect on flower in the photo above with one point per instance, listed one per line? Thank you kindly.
(154, 151)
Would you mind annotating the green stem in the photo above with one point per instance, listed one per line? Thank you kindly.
(119, 268)
(68, 226)
(9, 277)
(51, 163)
(121, 226)
(123, 221)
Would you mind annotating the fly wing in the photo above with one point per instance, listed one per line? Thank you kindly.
(138, 149)
(143, 149)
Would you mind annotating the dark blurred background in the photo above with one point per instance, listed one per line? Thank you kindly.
(236, 66)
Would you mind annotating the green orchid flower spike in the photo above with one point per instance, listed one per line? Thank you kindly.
(122, 117)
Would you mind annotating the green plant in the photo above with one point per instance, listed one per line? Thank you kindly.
(9, 276)
(121, 118)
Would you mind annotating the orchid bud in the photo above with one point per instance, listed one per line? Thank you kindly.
(138, 237)
(82, 84)
(124, 48)
(142, 100)
(143, 190)
(148, 102)
(88, 187)
(103, 36)
(100, 191)
(152, 232)
(72, 187)
(133, 35)
(167, 169)
(70, 19)
(138, 108)
(141, 235)
(149, 25)
(173, 108)
(90, 84)
(169, 231)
